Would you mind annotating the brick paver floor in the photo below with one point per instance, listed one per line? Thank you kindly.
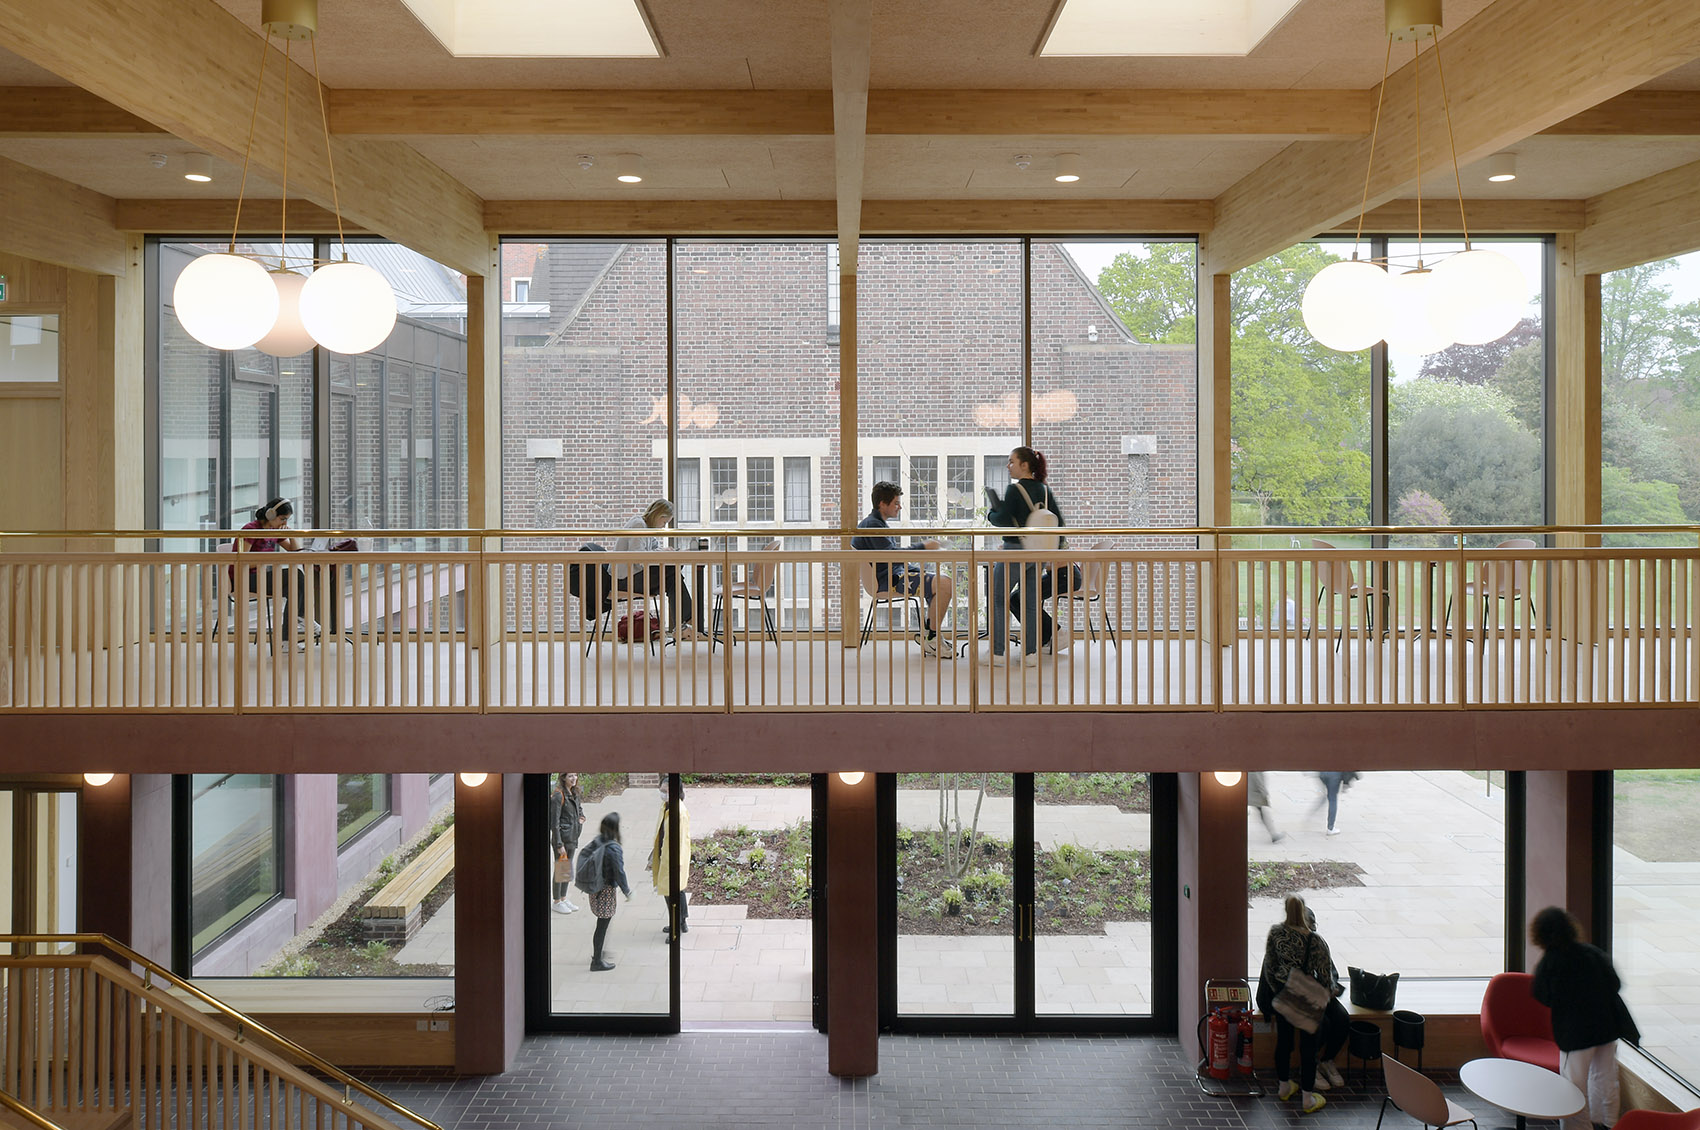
(739, 1079)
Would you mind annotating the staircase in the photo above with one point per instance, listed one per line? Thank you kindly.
(87, 1044)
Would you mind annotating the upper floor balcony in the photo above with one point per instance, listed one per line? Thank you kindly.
(1130, 619)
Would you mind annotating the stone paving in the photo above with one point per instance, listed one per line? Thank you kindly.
(766, 1080)
(1430, 845)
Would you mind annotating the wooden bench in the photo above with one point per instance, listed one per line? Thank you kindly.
(394, 913)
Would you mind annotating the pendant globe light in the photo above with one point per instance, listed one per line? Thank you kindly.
(234, 301)
(1473, 297)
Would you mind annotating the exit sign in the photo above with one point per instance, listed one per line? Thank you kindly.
(2, 288)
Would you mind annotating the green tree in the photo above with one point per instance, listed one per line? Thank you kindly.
(1643, 333)
(1413, 398)
(1483, 466)
(1625, 500)
(1154, 293)
(1522, 380)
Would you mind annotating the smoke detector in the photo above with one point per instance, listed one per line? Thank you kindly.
(585, 161)
(157, 160)
(1023, 161)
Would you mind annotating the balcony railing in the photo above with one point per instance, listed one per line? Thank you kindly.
(1208, 619)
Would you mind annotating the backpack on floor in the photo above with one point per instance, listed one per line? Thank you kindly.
(587, 872)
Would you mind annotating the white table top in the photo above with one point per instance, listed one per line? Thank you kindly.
(1522, 1088)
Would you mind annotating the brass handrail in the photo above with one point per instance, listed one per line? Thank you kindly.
(27, 1114)
(244, 1024)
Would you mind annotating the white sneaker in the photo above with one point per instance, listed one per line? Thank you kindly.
(1328, 1071)
(930, 645)
(1334, 831)
(1321, 1084)
(1061, 640)
(559, 908)
(1030, 659)
(990, 658)
(570, 905)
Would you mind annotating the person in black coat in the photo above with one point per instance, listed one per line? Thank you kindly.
(566, 824)
(1577, 982)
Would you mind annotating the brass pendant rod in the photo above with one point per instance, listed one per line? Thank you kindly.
(1375, 132)
(1417, 78)
(283, 214)
(1457, 177)
(330, 161)
(248, 153)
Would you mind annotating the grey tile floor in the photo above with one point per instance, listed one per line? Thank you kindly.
(739, 1079)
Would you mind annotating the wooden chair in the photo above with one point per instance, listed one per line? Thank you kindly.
(760, 578)
(879, 596)
(1334, 577)
(1418, 1096)
(1501, 581)
(1090, 591)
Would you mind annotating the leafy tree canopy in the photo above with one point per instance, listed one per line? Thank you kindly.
(1479, 463)
(1479, 364)
(1415, 397)
(1625, 500)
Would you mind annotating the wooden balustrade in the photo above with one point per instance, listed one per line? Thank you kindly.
(1144, 629)
(85, 1042)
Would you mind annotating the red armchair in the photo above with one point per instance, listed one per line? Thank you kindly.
(1514, 1024)
(1658, 1120)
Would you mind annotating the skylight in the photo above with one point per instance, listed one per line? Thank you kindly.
(607, 29)
(1162, 27)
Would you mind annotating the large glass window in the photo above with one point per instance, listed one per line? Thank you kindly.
(1655, 933)
(234, 429)
(362, 799)
(1405, 847)
(236, 850)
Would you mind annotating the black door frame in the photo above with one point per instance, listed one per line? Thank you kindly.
(539, 1017)
(1165, 926)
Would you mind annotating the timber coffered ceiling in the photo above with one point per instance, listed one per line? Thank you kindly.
(848, 116)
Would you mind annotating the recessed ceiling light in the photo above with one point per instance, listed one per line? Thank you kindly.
(629, 169)
(197, 167)
(1162, 27)
(1502, 167)
(1068, 167)
(564, 29)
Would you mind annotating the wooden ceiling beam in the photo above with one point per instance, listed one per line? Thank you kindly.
(1652, 219)
(260, 218)
(56, 221)
(1485, 216)
(190, 67)
(819, 217)
(684, 113)
(852, 24)
(1148, 113)
(65, 111)
(1518, 67)
(1636, 113)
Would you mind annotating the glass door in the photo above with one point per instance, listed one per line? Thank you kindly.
(1028, 902)
(606, 962)
(38, 875)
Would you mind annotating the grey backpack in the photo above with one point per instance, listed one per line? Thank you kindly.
(587, 872)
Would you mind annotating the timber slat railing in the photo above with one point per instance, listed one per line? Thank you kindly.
(1155, 619)
(84, 1039)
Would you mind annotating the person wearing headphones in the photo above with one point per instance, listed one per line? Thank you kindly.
(275, 515)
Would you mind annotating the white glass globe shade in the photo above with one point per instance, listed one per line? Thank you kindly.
(225, 301)
(348, 307)
(287, 337)
(1479, 296)
(1410, 326)
(473, 780)
(1227, 778)
(1345, 305)
(851, 778)
(98, 779)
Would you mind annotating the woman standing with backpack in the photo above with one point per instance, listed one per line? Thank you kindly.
(1027, 502)
(610, 872)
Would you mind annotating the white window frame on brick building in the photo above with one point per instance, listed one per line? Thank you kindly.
(801, 595)
(521, 290)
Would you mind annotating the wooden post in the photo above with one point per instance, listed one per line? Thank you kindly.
(1212, 891)
(849, 592)
(1576, 434)
(489, 934)
(852, 909)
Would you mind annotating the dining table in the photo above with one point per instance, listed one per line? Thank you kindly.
(1522, 1089)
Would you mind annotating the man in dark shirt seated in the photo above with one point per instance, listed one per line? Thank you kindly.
(897, 576)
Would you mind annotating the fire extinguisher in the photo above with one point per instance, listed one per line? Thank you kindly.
(1220, 1059)
(1244, 1057)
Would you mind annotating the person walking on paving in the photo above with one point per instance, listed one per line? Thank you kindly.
(566, 824)
(1257, 796)
(1577, 981)
(1331, 786)
(1291, 945)
(678, 902)
(611, 874)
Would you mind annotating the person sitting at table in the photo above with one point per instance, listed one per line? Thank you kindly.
(643, 580)
(937, 589)
(275, 515)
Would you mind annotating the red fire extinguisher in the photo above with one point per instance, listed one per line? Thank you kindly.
(1220, 1059)
(1244, 1041)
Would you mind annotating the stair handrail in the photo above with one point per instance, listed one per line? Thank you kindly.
(244, 1023)
(27, 1114)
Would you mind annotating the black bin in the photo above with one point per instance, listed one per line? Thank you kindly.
(1408, 1033)
(1363, 1043)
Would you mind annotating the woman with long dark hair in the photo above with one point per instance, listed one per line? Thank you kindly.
(1577, 981)
(602, 901)
(1016, 586)
(1293, 944)
(274, 516)
(566, 824)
